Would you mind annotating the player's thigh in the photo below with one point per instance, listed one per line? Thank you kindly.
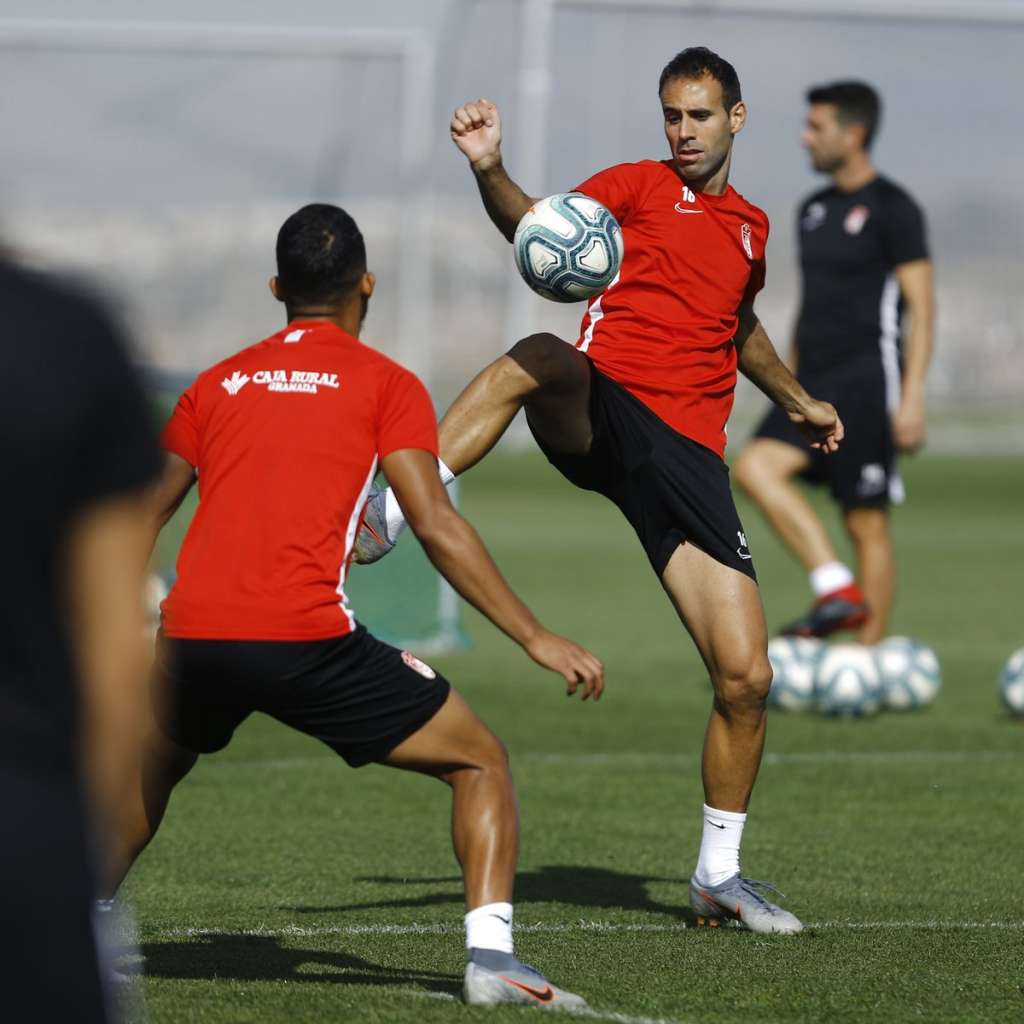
(559, 407)
(455, 738)
(767, 460)
(721, 608)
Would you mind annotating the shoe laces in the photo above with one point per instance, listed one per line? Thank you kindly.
(748, 885)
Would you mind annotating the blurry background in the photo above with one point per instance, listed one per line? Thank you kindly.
(160, 146)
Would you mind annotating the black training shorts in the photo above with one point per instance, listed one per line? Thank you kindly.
(670, 488)
(862, 473)
(358, 695)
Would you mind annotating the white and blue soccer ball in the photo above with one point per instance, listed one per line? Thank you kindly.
(794, 661)
(568, 247)
(1011, 683)
(847, 681)
(910, 672)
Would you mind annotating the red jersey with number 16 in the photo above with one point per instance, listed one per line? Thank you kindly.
(664, 328)
(286, 437)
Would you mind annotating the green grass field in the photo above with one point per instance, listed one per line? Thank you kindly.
(286, 887)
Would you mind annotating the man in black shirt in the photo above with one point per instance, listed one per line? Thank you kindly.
(864, 262)
(78, 451)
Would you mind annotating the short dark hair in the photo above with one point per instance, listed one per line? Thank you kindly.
(855, 103)
(698, 61)
(320, 254)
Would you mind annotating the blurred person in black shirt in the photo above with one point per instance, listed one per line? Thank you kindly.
(78, 453)
(864, 261)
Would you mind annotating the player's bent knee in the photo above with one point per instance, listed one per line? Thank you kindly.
(544, 357)
(743, 689)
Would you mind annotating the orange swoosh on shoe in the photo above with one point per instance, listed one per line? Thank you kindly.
(544, 995)
(371, 531)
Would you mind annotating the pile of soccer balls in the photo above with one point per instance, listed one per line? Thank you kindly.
(850, 679)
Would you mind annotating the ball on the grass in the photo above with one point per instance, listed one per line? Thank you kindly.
(910, 672)
(847, 681)
(794, 660)
(1011, 683)
(568, 247)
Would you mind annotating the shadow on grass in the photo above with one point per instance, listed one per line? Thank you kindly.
(592, 889)
(265, 958)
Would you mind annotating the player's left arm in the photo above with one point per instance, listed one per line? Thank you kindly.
(817, 421)
(167, 494)
(917, 287)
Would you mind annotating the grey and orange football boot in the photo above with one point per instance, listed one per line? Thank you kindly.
(494, 977)
(372, 541)
(737, 900)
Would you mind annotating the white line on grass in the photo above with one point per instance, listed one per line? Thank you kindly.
(611, 927)
(626, 757)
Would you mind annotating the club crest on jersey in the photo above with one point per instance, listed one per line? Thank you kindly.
(418, 666)
(856, 219)
(814, 217)
(745, 239)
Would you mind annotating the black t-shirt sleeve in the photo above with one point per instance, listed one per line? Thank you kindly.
(903, 231)
(115, 449)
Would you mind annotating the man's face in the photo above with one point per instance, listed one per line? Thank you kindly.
(698, 127)
(829, 142)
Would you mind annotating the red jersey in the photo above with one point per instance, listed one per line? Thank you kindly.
(664, 328)
(286, 437)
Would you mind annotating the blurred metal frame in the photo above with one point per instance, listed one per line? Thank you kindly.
(415, 50)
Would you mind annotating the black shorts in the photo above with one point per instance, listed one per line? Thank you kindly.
(358, 695)
(863, 472)
(670, 488)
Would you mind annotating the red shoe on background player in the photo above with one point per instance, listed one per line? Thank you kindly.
(844, 608)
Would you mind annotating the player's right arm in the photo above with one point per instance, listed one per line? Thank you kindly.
(457, 552)
(476, 131)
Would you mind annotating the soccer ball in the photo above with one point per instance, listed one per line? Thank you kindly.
(568, 247)
(910, 672)
(794, 661)
(1011, 683)
(847, 681)
(156, 591)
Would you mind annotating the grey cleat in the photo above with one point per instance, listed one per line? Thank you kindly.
(372, 541)
(736, 899)
(493, 977)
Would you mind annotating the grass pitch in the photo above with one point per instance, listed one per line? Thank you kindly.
(285, 887)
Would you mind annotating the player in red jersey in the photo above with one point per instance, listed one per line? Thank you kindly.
(637, 410)
(285, 438)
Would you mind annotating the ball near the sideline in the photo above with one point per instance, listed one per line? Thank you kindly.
(794, 660)
(847, 681)
(1011, 683)
(568, 247)
(910, 672)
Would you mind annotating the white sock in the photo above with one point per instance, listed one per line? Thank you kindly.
(490, 927)
(719, 846)
(828, 577)
(394, 518)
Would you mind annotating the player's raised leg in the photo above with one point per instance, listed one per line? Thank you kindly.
(765, 470)
(456, 747)
(868, 528)
(722, 610)
(542, 373)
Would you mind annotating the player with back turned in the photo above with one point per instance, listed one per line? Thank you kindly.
(637, 410)
(284, 439)
(864, 260)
